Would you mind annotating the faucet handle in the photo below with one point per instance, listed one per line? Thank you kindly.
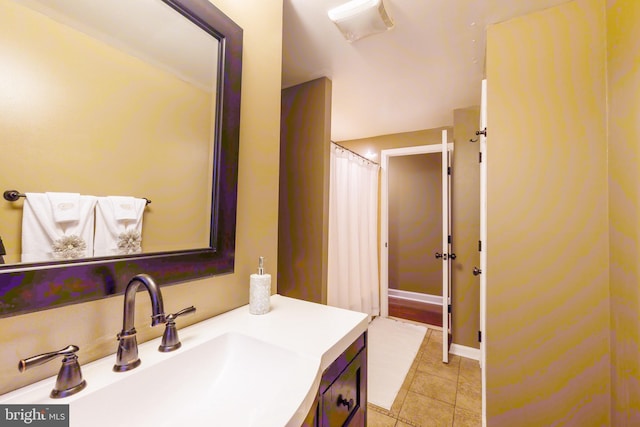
(69, 380)
(188, 310)
(41, 359)
(170, 340)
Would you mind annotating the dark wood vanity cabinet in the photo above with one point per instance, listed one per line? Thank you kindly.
(342, 397)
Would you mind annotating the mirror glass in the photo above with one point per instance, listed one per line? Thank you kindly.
(99, 102)
(136, 99)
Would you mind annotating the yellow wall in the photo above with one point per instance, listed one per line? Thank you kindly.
(623, 33)
(398, 140)
(548, 331)
(77, 115)
(93, 326)
(304, 191)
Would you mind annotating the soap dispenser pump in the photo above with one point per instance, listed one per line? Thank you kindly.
(259, 290)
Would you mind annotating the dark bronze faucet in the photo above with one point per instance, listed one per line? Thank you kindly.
(127, 356)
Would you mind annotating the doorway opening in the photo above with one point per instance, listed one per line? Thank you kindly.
(415, 235)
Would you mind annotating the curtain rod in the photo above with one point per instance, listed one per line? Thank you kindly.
(354, 153)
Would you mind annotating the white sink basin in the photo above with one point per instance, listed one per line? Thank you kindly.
(233, 379)
(230, 380)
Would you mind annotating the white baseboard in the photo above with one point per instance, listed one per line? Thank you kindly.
(464, 351)
(415, 296)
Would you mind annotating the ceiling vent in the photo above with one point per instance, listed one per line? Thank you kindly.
(361, 18)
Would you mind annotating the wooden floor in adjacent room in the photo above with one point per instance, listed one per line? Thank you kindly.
(418, 311)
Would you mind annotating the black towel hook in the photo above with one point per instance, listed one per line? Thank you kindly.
(478, 133)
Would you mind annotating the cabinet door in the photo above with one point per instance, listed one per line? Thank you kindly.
(344, 402)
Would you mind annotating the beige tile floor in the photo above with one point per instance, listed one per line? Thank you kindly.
(434, 393)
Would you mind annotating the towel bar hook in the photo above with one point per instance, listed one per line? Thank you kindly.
(478, 133)
(12, 195)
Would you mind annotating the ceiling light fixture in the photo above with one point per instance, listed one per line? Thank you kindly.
(361, 18)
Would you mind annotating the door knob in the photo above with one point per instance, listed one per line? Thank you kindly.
(476, 271)
(445, 256)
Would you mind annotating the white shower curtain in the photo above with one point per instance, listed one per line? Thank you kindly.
(353, 233)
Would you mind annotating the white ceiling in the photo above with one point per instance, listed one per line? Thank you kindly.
(409, 78)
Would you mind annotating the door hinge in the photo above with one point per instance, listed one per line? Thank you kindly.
(449, 239)
(448, 170)
(479, 336)
(479, 157)
(479, 245)
(449, 308)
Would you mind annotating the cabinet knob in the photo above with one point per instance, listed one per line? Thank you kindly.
(342, 401)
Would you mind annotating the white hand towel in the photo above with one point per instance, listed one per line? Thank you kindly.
(124, 208)
(118, 236)
(44, 239)
(65, 206)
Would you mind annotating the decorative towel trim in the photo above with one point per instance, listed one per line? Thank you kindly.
(129, 242)
(69, 247)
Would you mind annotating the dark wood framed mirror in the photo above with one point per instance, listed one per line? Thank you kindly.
(27, 287)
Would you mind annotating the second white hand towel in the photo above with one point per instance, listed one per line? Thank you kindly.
(118, 225)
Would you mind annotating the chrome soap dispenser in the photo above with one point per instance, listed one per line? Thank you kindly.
(259, 290)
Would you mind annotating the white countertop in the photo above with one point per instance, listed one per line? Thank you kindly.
(317, 332)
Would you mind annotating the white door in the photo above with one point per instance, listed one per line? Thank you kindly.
(482, 272)
(446, 249)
